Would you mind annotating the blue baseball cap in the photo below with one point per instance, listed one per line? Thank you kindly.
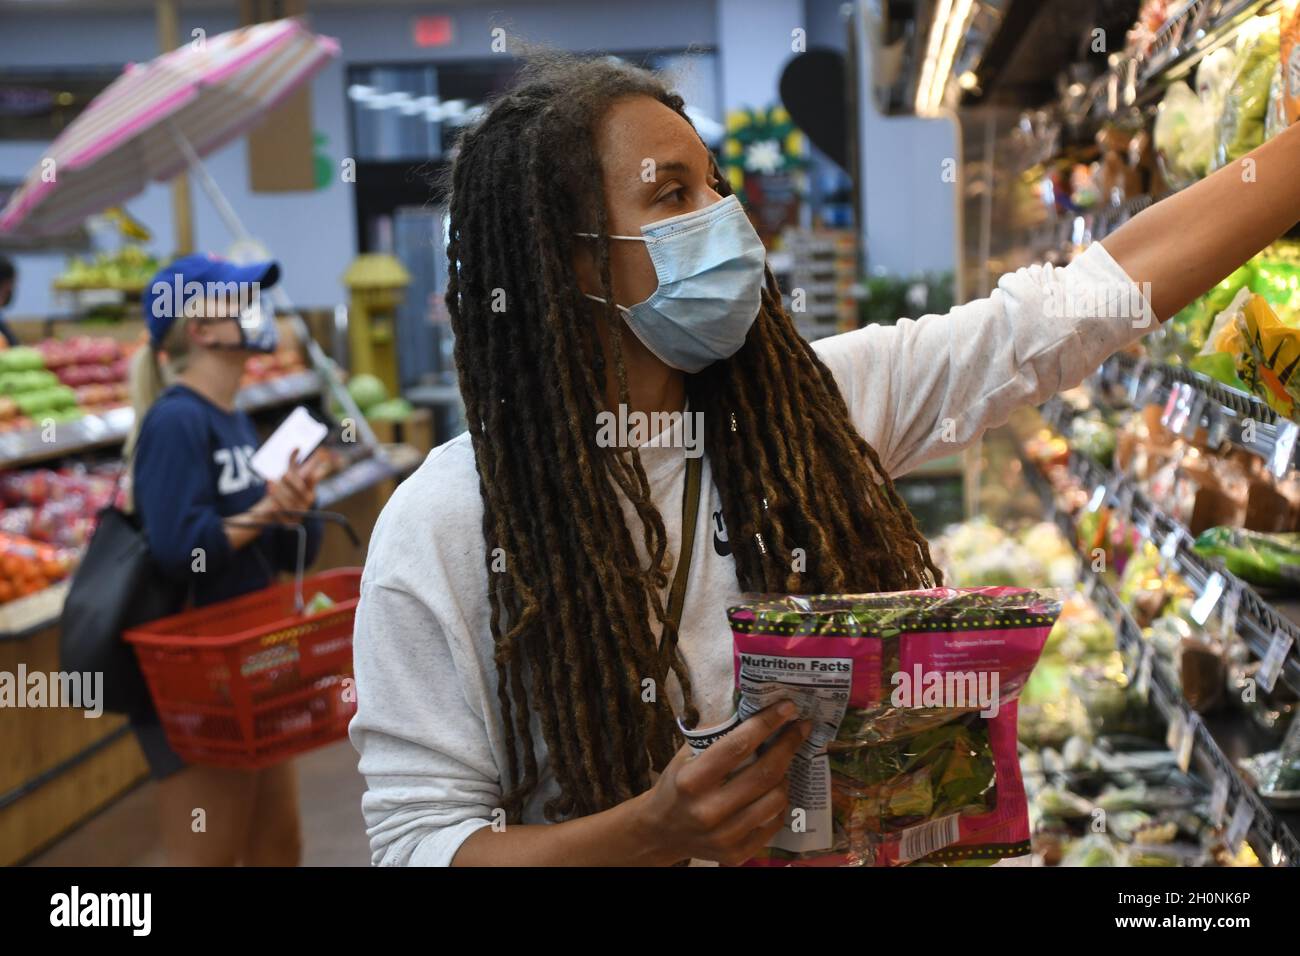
(199, 275)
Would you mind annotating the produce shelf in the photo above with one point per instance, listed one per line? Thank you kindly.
(1197, 29)
(25, 616)
(1257, 622)
(105, 429)
(1228, 415)
(1273, 836)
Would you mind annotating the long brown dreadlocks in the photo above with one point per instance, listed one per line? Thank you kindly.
(572, 613)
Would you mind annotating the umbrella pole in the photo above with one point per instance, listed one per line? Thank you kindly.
(320, 362)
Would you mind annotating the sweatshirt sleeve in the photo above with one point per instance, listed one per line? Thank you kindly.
(925, 388)
(430, 772)
(174, 493)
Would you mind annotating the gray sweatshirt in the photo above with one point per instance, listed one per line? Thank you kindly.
(430, 738)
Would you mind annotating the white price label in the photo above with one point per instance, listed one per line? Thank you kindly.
(1271, 666)
(1217, 435)
(1219, 799)
(1098, 498)
(1187, 743)
(1175, 731)
(1126, 501)
(1243, 815)
(1195, 409)
(1283, 449)
(1142, 682)
(1169, 549)
(1204, 605)
(1135, 381)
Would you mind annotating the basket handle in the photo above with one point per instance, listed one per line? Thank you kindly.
(332, 516)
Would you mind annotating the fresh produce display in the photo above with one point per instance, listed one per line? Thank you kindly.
(28, 566)
(128, 269)
(913, 697)
(1266, 560)
(1245, 104)
(285, 360)
(55, 507)
(61, 380)
(95, 368)
(372, 399)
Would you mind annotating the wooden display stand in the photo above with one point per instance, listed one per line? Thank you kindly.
(56, 765)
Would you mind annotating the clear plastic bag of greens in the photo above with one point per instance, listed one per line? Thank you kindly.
(913, 697)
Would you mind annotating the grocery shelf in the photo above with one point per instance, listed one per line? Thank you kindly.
(1257, 623)
(25, 616)
(1272, 834)
(1228, 415)
(1197, 29)
(106, 429)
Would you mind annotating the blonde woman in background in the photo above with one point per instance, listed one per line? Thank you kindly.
(200, 503)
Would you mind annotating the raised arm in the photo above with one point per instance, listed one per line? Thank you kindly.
(1195, 238)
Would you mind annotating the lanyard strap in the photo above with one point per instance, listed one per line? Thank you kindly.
(690, 511)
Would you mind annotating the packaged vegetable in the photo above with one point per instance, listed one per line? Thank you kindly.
(1268, 560)
(914, 698)
(1269, 363)
(1094, 850)
(1291, 61)
(1245, 104)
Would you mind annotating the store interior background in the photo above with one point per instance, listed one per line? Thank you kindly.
(745, 44)
(938, 197)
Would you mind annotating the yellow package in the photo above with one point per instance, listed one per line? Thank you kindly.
(1270, 361)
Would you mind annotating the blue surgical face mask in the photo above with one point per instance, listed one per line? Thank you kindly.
(710, 268)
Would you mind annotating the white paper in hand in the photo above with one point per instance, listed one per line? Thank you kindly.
(299, 431)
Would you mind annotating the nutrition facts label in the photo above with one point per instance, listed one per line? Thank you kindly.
(820, 688)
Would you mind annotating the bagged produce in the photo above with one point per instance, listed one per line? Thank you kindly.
(1268, 560)
(913, 696)
(1245, 104)
(1272, 355)
(1291, 61)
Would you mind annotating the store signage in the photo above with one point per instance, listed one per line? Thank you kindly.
(432, 30)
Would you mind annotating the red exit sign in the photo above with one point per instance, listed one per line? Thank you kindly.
(433, 31)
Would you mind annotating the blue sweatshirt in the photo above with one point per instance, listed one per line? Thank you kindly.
(192, 470)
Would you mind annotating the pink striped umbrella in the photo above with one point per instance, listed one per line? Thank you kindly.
(200, 96)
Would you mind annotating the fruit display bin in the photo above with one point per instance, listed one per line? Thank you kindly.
(249, 683)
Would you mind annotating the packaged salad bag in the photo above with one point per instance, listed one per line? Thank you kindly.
(913, 697)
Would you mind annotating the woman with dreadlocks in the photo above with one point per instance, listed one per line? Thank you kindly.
(528, 649)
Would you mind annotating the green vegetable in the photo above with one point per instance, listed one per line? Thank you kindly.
(1221, 367)
(392, 410)
(21, 359)
(367, 391)
(1270, 560)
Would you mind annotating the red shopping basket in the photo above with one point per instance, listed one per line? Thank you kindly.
(250, 682)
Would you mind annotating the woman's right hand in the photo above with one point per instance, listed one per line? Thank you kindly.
(703, 807)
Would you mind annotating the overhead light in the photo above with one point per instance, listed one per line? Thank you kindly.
(937, 27)
(946, 32)
(360, 92)
(968, 80)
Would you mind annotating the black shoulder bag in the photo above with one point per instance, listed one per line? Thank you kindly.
(116, 587)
